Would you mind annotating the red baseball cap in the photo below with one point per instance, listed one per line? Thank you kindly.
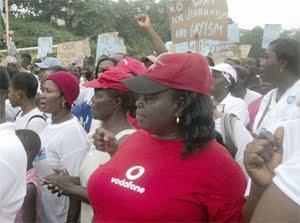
(110, 79)
(132, 66)
(185, 71)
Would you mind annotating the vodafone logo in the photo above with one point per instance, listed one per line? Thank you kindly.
(135, 172)
(132, 173)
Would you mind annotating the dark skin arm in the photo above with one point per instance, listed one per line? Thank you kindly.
(144, 22)
(74, 211)
(261, 157)
(64, 184)
(29, 205)
(275, 206)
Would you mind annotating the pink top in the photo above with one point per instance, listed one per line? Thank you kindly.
(253, 109)
(31, 179)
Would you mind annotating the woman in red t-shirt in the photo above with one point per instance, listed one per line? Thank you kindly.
(172, 170)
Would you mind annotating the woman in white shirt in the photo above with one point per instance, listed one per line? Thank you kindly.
(224, 77)
(281, 65)
(110, 104)
(64, 141)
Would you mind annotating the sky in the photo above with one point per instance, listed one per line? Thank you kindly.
(250, 13)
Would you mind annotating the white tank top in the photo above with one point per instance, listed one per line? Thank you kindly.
(92, 161)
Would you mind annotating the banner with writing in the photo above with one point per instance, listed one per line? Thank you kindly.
(109, 45)
(44, 46)
(233, 33)
(207, 19)
(226, 50)
(206, 46)
(271, 32)
(72, 52)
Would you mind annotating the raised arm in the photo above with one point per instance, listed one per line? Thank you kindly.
(144, 22)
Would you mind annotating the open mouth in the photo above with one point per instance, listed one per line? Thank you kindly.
(42, 104)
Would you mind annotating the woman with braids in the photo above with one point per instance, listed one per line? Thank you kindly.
(172, 169)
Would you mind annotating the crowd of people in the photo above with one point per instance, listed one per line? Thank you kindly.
(171, 137)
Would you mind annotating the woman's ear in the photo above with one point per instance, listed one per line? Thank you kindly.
(20, 94)
(283, 65)
(117, 102)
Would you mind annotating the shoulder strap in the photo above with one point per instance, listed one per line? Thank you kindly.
(19, 112)
(36, 116)
(228, 124)
(265, 111)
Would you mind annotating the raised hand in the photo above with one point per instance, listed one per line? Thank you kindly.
(263, 155)
(143, 20)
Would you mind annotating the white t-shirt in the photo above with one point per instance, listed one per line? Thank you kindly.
(64, 145)
(251, 96)
(287, 177)
(13, 167)
(10, 112)
(93, 160)
(285, 109)
(7, 126)
(36, 124)
(234, 105)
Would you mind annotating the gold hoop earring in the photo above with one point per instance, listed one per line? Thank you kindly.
(177, 120)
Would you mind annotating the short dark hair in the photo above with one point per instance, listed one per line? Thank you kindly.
(288, 50)
(4, 80)
(26, 59)
(128, 100)
(104, 58)
(30, 140)
(25, 82)
(196, 121)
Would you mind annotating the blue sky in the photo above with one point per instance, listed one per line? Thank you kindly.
(249, 13)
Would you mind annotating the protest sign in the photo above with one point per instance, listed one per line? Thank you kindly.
(271, 32)
(224, 51)
(109, 45)
(233, 33)
(206, 46)
(44, 46)
(208, 19)
(186, 46)
(245, 50)
(71, 52)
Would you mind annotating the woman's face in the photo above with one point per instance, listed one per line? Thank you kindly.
(156, 113)
(219, 81)
(52, 99)
(270, 66)
(102, 105)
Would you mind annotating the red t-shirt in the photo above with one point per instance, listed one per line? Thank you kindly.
(147, 181)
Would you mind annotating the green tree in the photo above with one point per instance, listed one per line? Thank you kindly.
(254, 37)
